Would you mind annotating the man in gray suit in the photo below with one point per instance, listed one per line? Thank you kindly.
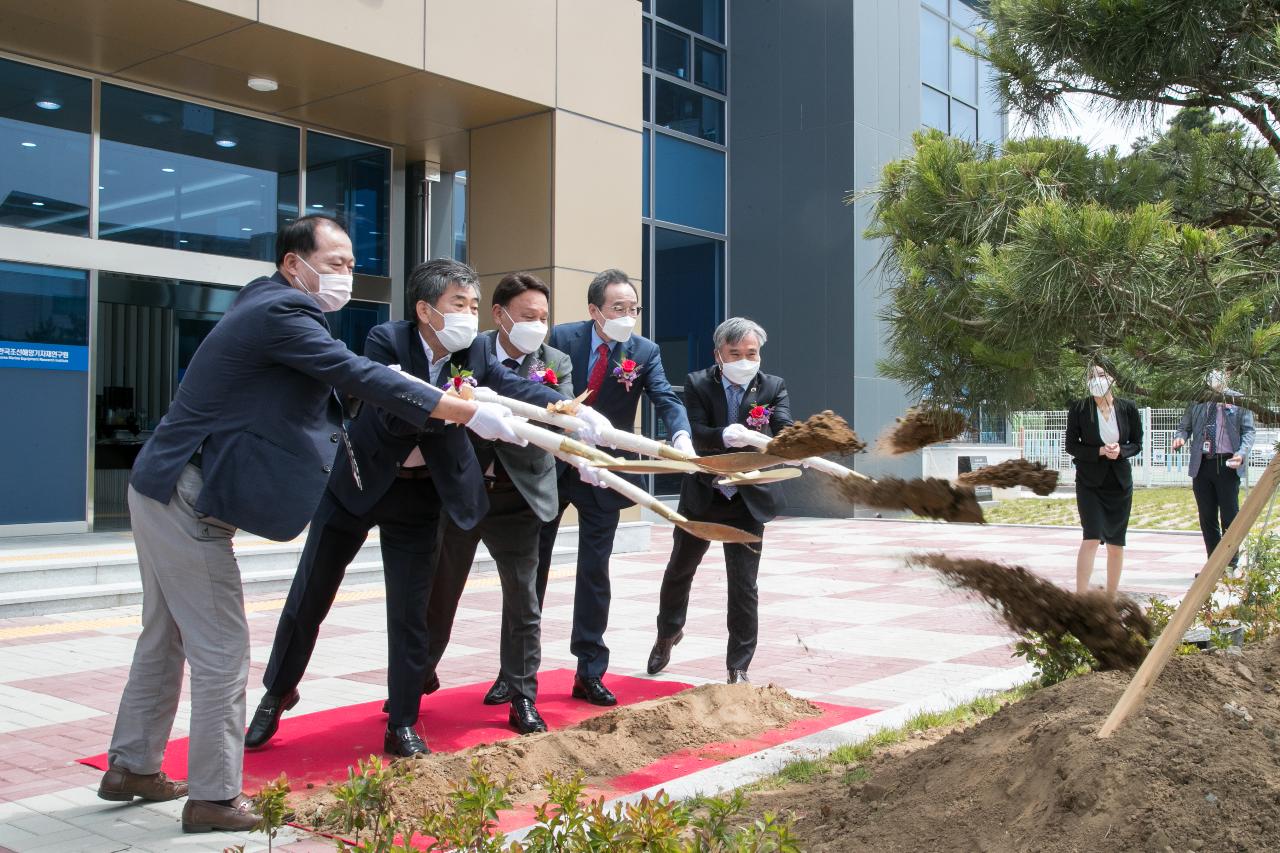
(1221, 437)
(521, 485)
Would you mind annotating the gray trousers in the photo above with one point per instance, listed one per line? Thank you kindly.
(192, 612)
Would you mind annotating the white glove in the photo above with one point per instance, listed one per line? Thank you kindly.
(589, 474)
(736, 435)
(594, 425)
(493, 421)
(406, 374)
(680, 441)
(798, 463)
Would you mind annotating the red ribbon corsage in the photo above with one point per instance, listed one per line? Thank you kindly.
(759, 416)
(626, 371)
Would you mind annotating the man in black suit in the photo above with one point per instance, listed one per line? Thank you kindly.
(409, 474)
(248, 443)
(618, 366)
(725, 402)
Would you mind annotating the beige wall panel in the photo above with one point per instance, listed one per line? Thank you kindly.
(390, 29)
(598, 64)
(597, 192)
(505, 45)
(509, 196)
(241, 8)
(569, 295)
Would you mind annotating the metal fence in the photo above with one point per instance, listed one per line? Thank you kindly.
(1042, 438)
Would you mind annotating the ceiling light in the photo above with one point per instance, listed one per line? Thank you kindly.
(37, 204)
(168, 169)
(246, 229)
(156, 118)
(28, 145)
(46, 104)
(359, 204)
(184, 241)
(317, 205)
(263, 84)
(225, 142)
(101, 187)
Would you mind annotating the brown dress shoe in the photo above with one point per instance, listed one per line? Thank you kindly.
(207, 816)
(121, 786)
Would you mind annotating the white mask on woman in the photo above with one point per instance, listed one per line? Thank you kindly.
(1099, 386)
(528, 335)
(460, 329)
(333, 290)
(740, 372)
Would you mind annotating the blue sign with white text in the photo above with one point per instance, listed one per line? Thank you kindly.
(44, 356)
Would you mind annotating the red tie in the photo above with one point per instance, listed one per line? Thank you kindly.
(596, 379)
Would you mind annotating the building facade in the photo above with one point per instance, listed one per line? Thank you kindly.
(150, 149)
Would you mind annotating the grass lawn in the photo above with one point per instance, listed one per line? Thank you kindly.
(1163, 508)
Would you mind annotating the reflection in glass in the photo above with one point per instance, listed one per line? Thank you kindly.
(460, 217)
(966, 15)
(709, 67)
(933, 50)
(933, 109)
(43, 305)
(352, 324)
(688, 289)
(940, 5)
(644, 96)
(964, 69)
(671, 52)
(688, 183)
(190, 177)
(646, 36)
(44, 149)
(351, 181)
(705, 17)
(683, 109)
(644, 174)
(964, 121)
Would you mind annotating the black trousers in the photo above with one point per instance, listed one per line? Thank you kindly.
(408, 519)
(596, 530)
(742, 564)
(510, 533)
(1217, 491)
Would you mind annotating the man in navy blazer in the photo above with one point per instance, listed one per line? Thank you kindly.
(616, 366)
(248, 443)
(725, 403)
(409, 474)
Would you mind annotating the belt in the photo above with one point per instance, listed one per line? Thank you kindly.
(421, 472)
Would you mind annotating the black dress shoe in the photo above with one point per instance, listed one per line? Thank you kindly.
(738, 676)
(404, 742)
(593, 690)
(524, 717)
(267, 718)
(660, 656)
(431, 686)
(500, 693)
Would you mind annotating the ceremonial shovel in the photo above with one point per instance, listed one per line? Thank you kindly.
(563, 448)
(817, 463)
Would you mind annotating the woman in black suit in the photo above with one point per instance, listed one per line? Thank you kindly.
(1102, 434)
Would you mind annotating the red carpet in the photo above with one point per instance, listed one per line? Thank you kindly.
(318, 747)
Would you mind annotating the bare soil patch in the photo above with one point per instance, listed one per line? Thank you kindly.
(1182, 773)
(604, 747)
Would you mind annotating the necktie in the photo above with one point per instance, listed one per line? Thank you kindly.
(1221, 442)
(511, 364)
(733, 395)
(596, 379)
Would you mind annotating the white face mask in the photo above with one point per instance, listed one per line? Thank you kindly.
(1099, 386)
(740, 372)
(1216, 380)
(460, 328)
(619, 328)
(526, 336)
(333, 291)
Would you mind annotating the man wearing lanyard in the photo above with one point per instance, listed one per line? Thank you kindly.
(1221, 437)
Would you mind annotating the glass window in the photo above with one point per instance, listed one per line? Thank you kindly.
(186, 176)
(705, 17)
(966, 15)
(646, 36)
(964, 68)
(352, 324)
(644, 172)
(688, 183)
(688, 288)
(709, 66)
(964, 121)
(672, 52)
(687, 111)
(351, 181)
(934, 49)
(940, 5)
(933, 109)
(44, 149)
(459, 217)
(644, 96)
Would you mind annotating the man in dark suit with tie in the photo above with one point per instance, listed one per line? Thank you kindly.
(248, 443)
(618, 365)
(409, 475)
(521, 483)
(725, 403)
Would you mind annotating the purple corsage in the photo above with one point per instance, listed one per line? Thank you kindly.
(458, 378)
(758, 417)
(627, 371)
(540, 373)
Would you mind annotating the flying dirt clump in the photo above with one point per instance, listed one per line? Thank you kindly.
(919, 428)
(931, 497)
(1011, 473)
(825, 432)
(1115, 630)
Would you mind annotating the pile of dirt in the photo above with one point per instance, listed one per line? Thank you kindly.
(1011, 473)
(931, 497)
(1115, 630)
(1197, 767)
(825, 432)
(616, 742)
(919, 428)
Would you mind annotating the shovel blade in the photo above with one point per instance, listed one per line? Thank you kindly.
(760, 478)
(713, 532)
(737, 463)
